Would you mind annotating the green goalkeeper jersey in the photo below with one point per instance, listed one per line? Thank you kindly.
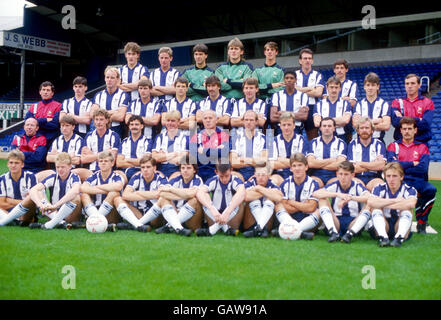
(235, 73)
(196, 77)
(267, 75)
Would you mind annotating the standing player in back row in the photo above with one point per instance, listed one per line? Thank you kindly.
(233, 72)
(164, 77)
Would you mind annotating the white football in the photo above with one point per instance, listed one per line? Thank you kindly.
(96, 223)
(290, 230)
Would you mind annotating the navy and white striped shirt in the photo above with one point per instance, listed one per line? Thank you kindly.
(167, 79)
(109, 141)
(178, 182)
(133, 75)
(57, 187)
(77, 108)
(112, 101)
(377, 109)
(348, 89)
(290, 102)
(320, 150)
(134, 149)
(241, 106)
(138, 183)
(186, 108)
(17, 190)
(325, 108)
(383, 191)
(222, 106)
(96, 179)
(352, 208)
(145, 110)
(253, 182)
(72, 147)
(302, 192)
(284, 149)
(222, 194)
(312, 79)
(357, 152)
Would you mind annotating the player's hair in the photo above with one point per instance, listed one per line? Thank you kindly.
(271, 45)
(135, 117)
(305, 50)
(393, 166)
(286, 115)
(80, 80)
(327, 119)
(47, 84)
(408, 120)
(187, 159)
(253, 112)
(69, 119)
(290, 71)
(64, 158)
(145, 83)
(105, 155)
(112, 69)
(235, 42)
(132, 46)
(298, 157)
(147, 158)
(181, 80)
(340, 62)
(213, 79)
(264, 164)
(200, 47)
(372, 77)
(174, 114)
(251, 82)
(412, 75)
(333, 80)
(223, 167)
(347, 166)
(17, 155)
(101, 112)
(363, 120)
(167, 50)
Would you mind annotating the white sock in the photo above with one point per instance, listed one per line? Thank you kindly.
(127, 214)
(105, 208)
(256, 210)
(65, 210)
(186, 212)
(266, 213)
(328, 220)
(215, 228)
(15, 213)
(361, 221)
(90, 209)
(309, 222)
(404, 224)
(151, 214)
(170, 214)
(2, 215)
(283, 216)
(379, 223)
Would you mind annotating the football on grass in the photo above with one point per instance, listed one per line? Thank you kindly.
(96, 223)
(289, 230)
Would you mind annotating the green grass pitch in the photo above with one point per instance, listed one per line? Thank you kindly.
(131, 265)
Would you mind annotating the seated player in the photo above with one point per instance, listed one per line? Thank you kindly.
(179, 197)
(347, 195)
(335, 107)
(325, 153)
(414, 157)
(210, 145)
(216, 102)
(285, 144)
(367, 154)
(146, 107)
(133, 147)
(392, 203)
(183, 104)
(261, 197)
(249, 147)
(14, 188)
(170, 146)
(222, 197)
(64, 206)
(290, 100)
(298, 202)
(100, 139)
(250, 101)
(101, 189)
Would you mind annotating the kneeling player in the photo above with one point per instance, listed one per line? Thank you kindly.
(392, 204)
(224, 210)
(261, 196)
(344, 215)
(101, 188)
(64, 189)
